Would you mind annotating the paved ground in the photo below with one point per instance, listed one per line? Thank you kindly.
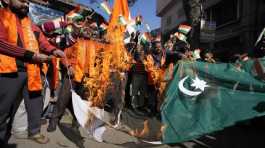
(240, 136)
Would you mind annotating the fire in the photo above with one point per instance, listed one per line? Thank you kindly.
(157, 76)
(144, 132)
(98, 80)
(161, 131)
(110, 57)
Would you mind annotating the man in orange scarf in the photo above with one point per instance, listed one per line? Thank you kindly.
(18, 78)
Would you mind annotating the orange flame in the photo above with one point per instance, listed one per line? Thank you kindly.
(144, 132)
(161, 131)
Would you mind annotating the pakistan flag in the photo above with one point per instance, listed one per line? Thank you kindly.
(204, 97)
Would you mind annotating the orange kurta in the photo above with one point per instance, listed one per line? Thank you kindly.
(8, 64)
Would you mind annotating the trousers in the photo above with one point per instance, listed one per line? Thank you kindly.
(13, 87)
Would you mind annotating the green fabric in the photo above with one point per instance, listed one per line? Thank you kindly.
(67, 30)
(234, 95)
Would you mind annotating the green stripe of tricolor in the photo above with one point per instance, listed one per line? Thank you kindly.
(75, 17)
(185, 29)
(122, 20)
(105, 7)
(181, 37)
(144, 39)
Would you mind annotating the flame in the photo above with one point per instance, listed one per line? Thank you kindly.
(161, 131)
(144, 132)
(98, 79)
(157, 74)
(110, 57)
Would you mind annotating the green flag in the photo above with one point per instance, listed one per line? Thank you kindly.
(204, 97)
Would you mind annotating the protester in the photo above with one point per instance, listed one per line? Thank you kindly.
(139, 82)
(75, 62)
(21, 79)
(209, 57)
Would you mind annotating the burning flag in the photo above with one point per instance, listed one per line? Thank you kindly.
(185, 29)
(86, 114)
(203, 98)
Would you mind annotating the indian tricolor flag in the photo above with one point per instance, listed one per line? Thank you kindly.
(144, 38)
(181, 36)
(105, 7)
(122, 20)
(75, 17)
(185, 29)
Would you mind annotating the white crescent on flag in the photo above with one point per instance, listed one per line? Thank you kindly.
(197, 83)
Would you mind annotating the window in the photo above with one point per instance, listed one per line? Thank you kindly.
(224, 12)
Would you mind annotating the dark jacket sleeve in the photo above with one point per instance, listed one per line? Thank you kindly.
(10, 50)
(45, 46)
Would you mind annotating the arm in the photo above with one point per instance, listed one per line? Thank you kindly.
(45, 46)
(13, 51)
(10, 50)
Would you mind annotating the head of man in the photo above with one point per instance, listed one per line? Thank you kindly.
(20, 7)
(157, 46)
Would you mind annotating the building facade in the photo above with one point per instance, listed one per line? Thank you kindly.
(238, 22)
(171, 13)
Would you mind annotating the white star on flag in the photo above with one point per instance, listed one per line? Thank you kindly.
(199, 84)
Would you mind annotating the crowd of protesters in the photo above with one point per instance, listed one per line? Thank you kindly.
(26, 50)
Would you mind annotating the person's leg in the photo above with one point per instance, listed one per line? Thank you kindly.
(142, 89)
(127, 90)
(20, 122)
(10, 88)
(137, 94)
(61, 104)
(120, 101)
(34, 108)
(152, 99)
(135, 90)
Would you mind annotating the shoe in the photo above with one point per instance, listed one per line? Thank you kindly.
(39, 138)
(52, 125)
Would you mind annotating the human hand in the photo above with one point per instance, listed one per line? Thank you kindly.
(58, 53)
(38, 57)
(71, 71)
